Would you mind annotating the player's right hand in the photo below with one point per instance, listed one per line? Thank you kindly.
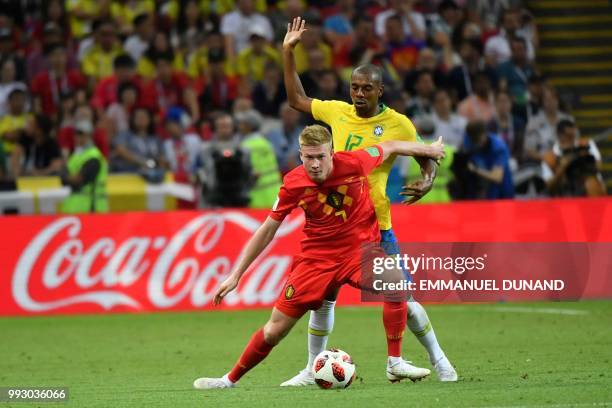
(437, 152)
(226, 287)
(294, 32)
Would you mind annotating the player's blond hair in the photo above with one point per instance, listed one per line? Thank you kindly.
(315, 135)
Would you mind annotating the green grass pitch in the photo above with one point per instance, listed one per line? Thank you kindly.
(507, 355)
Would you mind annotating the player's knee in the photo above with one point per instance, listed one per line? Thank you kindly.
(274, 332)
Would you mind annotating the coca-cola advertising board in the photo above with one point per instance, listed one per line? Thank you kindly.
(143, 261)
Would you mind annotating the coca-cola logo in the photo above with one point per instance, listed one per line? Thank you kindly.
(185, 266)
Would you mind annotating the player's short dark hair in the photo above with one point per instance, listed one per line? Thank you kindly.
(373, 71)
(563, 125)
(123, 61)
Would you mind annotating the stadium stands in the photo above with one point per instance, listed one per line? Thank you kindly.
(105, 63)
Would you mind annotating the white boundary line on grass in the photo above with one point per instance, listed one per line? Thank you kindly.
(545, 310)
(504, 309)
(569, 405)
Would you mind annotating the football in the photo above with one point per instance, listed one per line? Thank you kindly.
(333, 368)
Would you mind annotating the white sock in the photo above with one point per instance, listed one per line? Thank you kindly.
(320, 326)
(226, 380)
(420, 326)
(393, 360)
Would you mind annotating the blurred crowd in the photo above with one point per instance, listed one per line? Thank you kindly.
(195, 88)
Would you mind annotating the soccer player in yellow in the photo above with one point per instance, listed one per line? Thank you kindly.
(363, 124)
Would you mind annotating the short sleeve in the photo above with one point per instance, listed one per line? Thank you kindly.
(326, 111)
(408, 131)
(369, 158)
(284, 204)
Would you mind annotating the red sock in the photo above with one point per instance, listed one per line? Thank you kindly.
(395, 315)
(255, 351)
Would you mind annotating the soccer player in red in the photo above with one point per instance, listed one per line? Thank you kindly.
(332, 189)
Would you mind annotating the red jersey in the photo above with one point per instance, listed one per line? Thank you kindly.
(340, 216)
(49, 88)
(106, 93)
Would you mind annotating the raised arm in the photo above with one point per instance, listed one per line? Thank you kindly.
(295, 91)
(258, 242)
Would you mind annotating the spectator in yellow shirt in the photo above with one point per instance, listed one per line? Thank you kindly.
(253, 59)
(198, 64)
(311, 40)
(124, 12)
(12, 126)
(82, 13)
(159, 46)
(98, 61)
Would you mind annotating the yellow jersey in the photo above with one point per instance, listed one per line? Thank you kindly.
(351, 132)
(10, 123)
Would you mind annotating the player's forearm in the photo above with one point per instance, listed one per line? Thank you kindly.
(293, 84)
(258, 242)
(429, 168)
(415, 149)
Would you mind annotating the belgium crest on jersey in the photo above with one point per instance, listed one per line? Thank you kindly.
(289, 291)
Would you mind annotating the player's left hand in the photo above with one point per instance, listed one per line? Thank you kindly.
(226, 287)
(416, 190)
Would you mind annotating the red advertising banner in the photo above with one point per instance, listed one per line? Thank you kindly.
(174, 260)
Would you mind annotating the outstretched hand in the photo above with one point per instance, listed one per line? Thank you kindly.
(417, 189)
(226, 287)
(294, 32)
(438, 147)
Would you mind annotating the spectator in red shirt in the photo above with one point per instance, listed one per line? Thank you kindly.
(37, 61)
(47, 87)
(105, 92)
(170, 88)
(220, 90)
